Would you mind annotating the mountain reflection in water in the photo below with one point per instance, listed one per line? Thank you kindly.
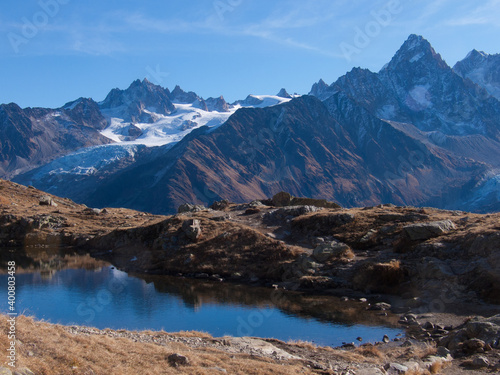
(80, 290)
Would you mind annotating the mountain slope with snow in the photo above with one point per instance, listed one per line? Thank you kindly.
(482, 69)
(415, 133)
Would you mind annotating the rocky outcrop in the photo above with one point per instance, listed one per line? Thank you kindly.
(475, 336)
(424, 231)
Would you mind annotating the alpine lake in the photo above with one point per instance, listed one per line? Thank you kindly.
(60, 286)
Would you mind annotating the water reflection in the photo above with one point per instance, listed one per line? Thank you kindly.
(47, 260)
(80, 290)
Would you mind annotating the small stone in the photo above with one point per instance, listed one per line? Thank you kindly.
(47, 201)
(380, 306)
(187, 207)
(395, 368)
(252, 210)
(428, 326)
(443, 352)
(386, 339)
(348, 345)
(359, 338)
(411, 317)
(177, 360)
(480, 362)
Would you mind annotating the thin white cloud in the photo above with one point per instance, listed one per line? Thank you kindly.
(486, 14)
(287, 41)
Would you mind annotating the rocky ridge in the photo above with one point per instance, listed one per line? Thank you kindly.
(432, 266)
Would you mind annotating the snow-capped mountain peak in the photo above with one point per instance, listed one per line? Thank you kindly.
(482, 69)
(415, 51)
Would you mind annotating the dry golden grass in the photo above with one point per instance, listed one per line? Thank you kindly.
(371, 352)
(437, 366)
(49, 349)
(303, 344)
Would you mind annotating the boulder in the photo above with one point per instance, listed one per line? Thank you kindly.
(475, 335)
(283, 199)
(290, 212)
(424, 231)
(395, 368)
(188, 207)
(177, 360)
(479, 362)
(219, 205)
(192, 229)
(332, 250)
(47, 201)
(380, 306)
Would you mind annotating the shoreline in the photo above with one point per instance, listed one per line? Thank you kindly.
(46, 348)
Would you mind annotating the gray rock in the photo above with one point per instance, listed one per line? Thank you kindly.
(395, 368)
(371, 234)
(485, 331)
(330, 250)
(256, 204)
(307, 263)
(5, 371)
(428, 326)
(187, 207)
(380, 306)
(192, 229)
(480, 362)
(424, 231)
(177, 360)
(443, 352)
(218, 205)
(289, 212)
(47, 201)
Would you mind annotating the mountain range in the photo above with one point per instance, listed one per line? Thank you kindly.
(417, 132)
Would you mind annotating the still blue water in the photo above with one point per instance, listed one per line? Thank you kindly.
(109, 298)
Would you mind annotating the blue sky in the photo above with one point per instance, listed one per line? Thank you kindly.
(54, 51)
